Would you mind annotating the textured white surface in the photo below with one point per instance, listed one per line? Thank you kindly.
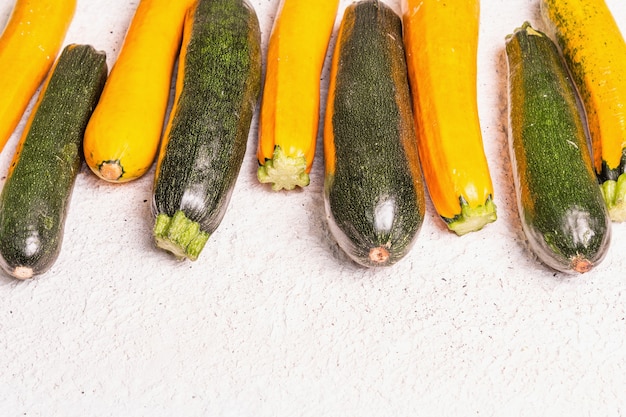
(273, 320)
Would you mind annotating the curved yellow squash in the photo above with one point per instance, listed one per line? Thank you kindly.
(441, 39)
(123, 134)
(291, 95)
(29, 45)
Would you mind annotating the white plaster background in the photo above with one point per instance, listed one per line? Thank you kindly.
(274, 321)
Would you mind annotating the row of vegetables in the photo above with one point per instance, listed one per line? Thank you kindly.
(401, 118)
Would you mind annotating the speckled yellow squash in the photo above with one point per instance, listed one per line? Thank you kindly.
(595, 52)
(29, 45)
(441, 39)
(123, 134)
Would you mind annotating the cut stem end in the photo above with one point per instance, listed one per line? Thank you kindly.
(179, 235)
(614, 193)
(472, 219)
(283, 171)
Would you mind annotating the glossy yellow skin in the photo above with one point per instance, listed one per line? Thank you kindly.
(588, 34)
(29, 45)
(180, 76)
(123, 134)
(441, 39)
(595, 52)
(291, 96)
(330, 153)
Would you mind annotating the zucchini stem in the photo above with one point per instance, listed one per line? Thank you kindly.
(179, 235)
(284, 171)
(614, 193)
(472, 219)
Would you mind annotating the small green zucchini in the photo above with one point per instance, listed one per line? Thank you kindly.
(35, 198)
(373, 189)
(217, 89)
(561, 207)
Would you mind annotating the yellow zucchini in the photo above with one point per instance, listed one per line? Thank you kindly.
(124, 132)
(441, 39)
(291, 96)
(595, 52)
(29, 45)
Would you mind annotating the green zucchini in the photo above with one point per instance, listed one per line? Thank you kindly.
(561, 207)
(217, 89)
(36, 195)
(373, 187)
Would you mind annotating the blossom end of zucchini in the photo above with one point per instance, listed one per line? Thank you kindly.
(472, 219)
(614, 193)
(581, 264)
(22, 273)
(111, 171)
(284, 171)
(179, 235)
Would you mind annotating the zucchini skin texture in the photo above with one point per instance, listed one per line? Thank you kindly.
(561, 207)
(218, 86)
(36, 195)
(373, 190)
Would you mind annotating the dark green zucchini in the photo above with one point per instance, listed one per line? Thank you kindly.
(373, 189)
(218, 84)
(36, 195)
(562, 211)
